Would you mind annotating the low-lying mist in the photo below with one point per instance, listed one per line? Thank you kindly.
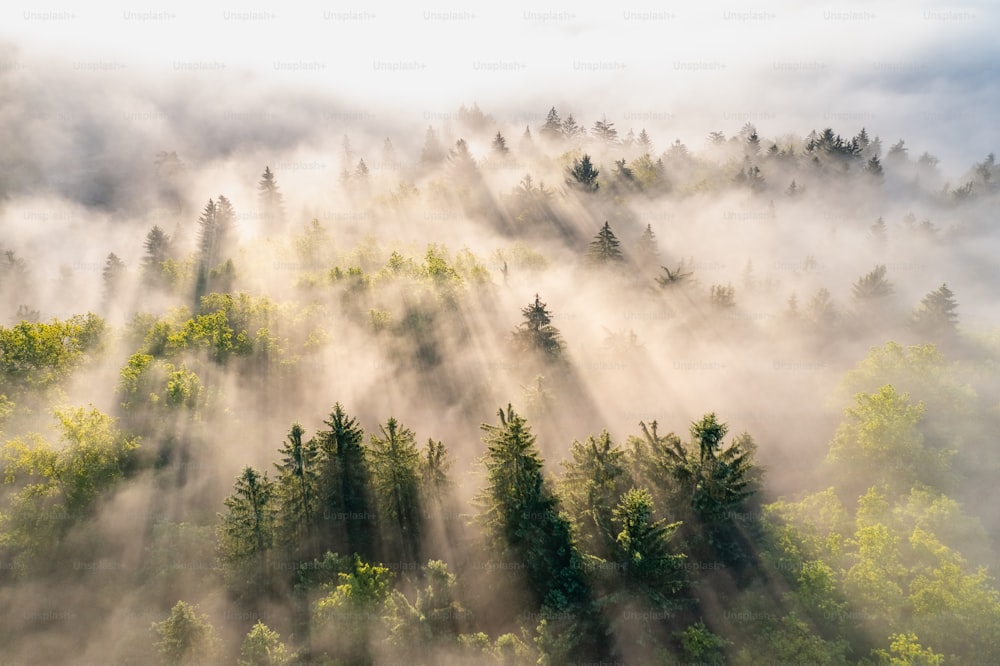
(250, 268)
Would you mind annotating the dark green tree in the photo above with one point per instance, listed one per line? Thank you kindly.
(594, 478)
(604, 249)
(246, 534)
(298, 492)
(642, 547)
(520, 516)
(157, 248)
(395, 470)
(583, 175)
(344, 487)
(536, 334)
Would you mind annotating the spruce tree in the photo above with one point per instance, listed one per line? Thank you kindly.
(936, 314)
(297, 492)
(553, 127)
(246, 533)
(604, 249)
(271, 201)
(344, 487)
(536, 334)
(583, 175)
(395, 471)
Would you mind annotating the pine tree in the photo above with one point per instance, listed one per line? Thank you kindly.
(584, 175)
(344, 486)
(648, 251)
(246, 533)
(157, 248)
(874, 169)
(642, 549)
(186, 636)
(519, 515)
(872, 288)
(571, 130)
(297, 492)
(112, 275)
(604, 249)
(553, 128)
(605, 131)
(878, 232)
(395, 469)
(536, 334)
(594, 478)
(645, 143)
(500, 146)
(271, 201)
(936, 314)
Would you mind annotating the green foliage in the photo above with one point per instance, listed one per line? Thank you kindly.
(246, 533)
(536, 334)
(519, 516)
(583, 175)
(604, 249)
(700, 645)
(594, 478)
(433, 618)
(263, 647)
(880, 443)
(297, 490)
(395, 477)
(39, 355)
(56, 486)
(185, 637)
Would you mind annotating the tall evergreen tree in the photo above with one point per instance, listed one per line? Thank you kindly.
(536, 334)
(648, 250)
(520, 516)
(297, 492)
(605, 131)
(112, 276)
(395, 469)
(583, 175)
(344, 487)
(271, 201)
(246, 533)
(604, 249)
(594, 479)
(571, 129)
(157, 246)
(553, 127)
(936, 314)
(499, 145)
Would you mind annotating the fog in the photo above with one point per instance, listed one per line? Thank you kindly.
(116, 121)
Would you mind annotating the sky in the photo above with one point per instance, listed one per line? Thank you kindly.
(921, 71)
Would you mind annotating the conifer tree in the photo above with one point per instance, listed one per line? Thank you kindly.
(604, 249)
(344, 487)
(297, 491)
(583, 175)
(553, 127)
(936, 313)
(395, 470)
(536, 334)
(246, 533)
(271, 201)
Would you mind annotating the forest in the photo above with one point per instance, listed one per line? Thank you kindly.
(555, 393)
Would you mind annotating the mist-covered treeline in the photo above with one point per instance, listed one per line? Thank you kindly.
(562, 393)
